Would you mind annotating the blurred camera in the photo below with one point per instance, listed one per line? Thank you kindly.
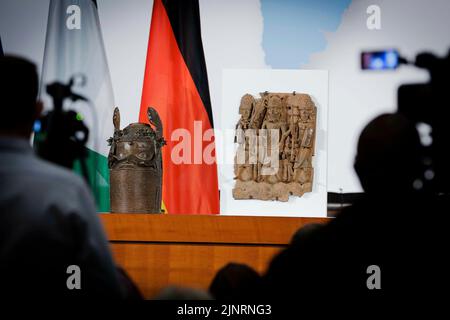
(423, 103)
(60, 135)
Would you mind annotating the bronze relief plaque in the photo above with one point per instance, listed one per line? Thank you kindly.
(276, 138)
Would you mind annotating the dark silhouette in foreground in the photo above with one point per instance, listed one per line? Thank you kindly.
(393, 228)
(236, 282)
(48, 219)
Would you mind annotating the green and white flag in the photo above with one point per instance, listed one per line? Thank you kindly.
(74, 46)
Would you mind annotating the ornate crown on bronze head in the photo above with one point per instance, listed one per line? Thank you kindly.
(138, 143)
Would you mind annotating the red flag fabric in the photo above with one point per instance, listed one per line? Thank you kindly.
(176, 85)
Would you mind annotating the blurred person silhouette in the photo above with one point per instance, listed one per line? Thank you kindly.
(236, 282)
(182, 293)
(304, 232)
(392, 228)
(48, 218)
(388, 160)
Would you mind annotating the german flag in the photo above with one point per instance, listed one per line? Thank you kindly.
(176, 85)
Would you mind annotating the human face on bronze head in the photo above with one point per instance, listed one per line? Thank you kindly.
(273, 113)
(136, 152)
(304, 114)
(293, 110)
(245, 112)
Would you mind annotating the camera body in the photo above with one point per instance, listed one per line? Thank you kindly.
(429, 103)
(424, 103)
(61, 135)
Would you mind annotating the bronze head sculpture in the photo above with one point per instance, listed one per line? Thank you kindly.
(135, 165)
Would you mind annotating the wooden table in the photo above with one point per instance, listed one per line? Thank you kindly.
(188, 250)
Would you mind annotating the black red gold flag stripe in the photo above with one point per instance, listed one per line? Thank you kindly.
(184, 17)
(176, 85)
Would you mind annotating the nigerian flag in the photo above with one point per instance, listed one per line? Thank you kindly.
(73, 47)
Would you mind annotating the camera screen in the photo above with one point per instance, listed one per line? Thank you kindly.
(379, 60)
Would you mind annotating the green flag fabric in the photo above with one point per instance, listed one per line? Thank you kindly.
(74, 47)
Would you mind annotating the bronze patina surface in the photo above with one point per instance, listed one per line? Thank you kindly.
(135, 165)
(276, 136)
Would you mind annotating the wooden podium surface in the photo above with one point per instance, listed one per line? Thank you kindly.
(188, 250)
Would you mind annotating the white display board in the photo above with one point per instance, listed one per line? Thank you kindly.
(236, 83)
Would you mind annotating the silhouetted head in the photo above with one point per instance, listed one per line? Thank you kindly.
(236, 282)
(388, 159)
(305, 232)
(182, 293)
(18, 93)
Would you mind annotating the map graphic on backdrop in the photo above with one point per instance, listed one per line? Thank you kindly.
(303, 24)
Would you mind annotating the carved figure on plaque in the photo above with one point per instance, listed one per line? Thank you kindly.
(276, 135)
